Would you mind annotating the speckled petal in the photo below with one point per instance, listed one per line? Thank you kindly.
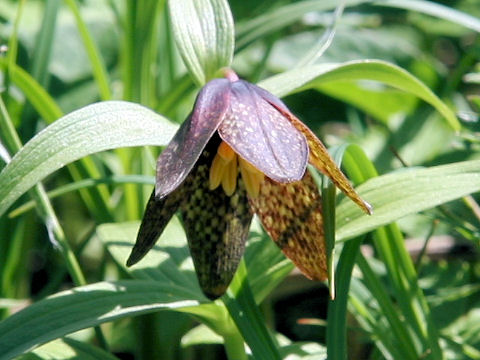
(157, 215)
(321, 159)
(269, 97)
(260, 134)
(292, 215)
(216, 226)
(179, 157)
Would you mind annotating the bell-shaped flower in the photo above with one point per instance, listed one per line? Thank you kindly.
(240, 152)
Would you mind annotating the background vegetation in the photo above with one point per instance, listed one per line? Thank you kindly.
(391, 86)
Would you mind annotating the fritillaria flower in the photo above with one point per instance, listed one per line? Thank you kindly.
(240, 152)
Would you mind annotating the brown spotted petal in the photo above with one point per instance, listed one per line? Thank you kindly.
(263, 136)
(179, 157)
(292, 215)
(157, 214)
(321, 159)
(216, 226)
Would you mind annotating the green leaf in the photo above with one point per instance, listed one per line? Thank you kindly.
(305, 78)
(248, 318)
(168, 262)
(35, 93)
(98, 66)
(68, 349)
(204, 34)
(86, 183)
(280, 17)
(84, 307)
(378, 103)
(264, 275)
(406, 192)
(433, 9)
(92, 129)
(303, 351)
(201, 335)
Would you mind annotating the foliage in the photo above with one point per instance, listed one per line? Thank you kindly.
(392, 86)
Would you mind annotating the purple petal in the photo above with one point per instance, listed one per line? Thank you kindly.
(269, 97)
(157, 215)
(260, 134)
(179, 157)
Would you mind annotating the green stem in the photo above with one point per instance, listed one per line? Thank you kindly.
(246, 315)
(45, 210)
(235, 346)
(337, 309)
(98, 66)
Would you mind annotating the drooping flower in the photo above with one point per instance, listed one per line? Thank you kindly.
(240, 152)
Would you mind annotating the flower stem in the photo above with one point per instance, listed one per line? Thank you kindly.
(235, 346)
(246, 315)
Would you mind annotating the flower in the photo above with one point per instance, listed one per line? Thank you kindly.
(240, 152)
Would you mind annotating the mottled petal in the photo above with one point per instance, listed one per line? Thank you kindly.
(260, 134)
(270, 98)
(321, 159)
(216, 226)
(179, 157)
(292, 215)
(157, 215)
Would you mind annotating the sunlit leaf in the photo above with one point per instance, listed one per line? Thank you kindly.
(86, 306)
(406, 192)
(67, 349)
(94, 128)
(300, 79)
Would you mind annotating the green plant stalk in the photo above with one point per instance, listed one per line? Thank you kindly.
(14, 270)
(98, 65)
(41, 59)
(168, 63)
(359, 171)
(235, 346)
(246, 315)
(148, 82)
(337, 309)
(391, 246)
(369, 321)
(139, 55)
(405, 345)
(389, 242)
(46, 211)
(12, 42)
(85, 183)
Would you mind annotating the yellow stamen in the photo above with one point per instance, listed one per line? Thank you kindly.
(229, 180)
(216, 172)
(224, 170)
(225, 151)
(252, 177)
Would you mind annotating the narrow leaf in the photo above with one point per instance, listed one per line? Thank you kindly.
(68, 349)
(434, 9)
(406, 192)
(300, 79)
(84, 307)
